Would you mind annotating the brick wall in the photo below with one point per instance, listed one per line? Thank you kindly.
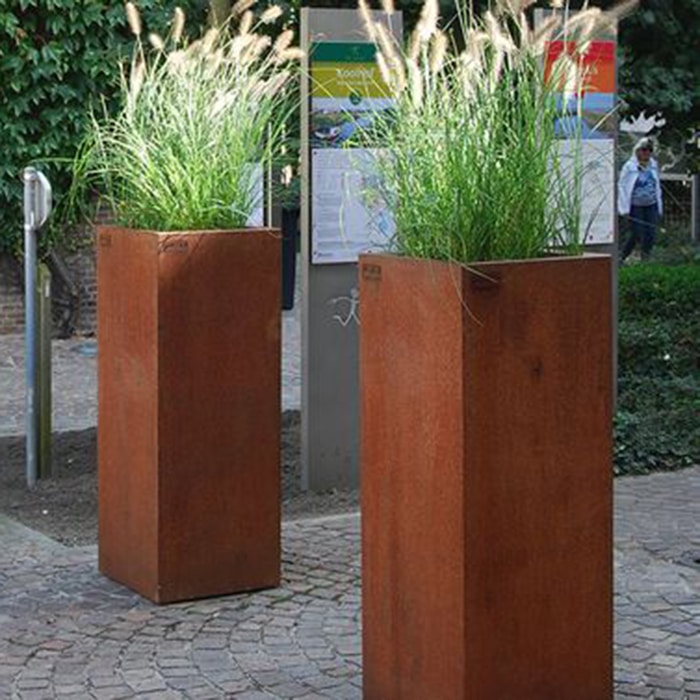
(74, 293)
(11, 296)
(84, 267)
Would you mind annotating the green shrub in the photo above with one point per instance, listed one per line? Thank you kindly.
(659, 291)
(57, 58)
(658, 413)
(661, 347)
(657, 426)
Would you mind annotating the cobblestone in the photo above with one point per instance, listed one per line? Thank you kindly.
(68, 632)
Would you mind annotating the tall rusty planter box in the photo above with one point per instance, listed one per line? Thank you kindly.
(486, 479)
(189, 411)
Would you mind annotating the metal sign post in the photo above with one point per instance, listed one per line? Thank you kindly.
(37, 207)
(341, 90)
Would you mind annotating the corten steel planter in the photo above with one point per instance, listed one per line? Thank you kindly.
(189, 411)
(486, 479)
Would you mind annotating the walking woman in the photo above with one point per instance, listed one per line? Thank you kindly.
(639, 197)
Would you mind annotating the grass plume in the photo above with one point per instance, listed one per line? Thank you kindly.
(472, 167)
(195, 120)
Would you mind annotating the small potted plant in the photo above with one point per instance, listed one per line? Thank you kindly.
(486, 374)
(188, 311)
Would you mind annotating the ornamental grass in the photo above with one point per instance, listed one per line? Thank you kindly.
(197, 120)
(470, 162)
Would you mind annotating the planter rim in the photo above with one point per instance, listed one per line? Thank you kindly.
(488, 263)
(196, 232)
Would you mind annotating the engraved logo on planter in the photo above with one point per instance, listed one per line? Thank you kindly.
(105, 240)
(372, 273)
(175, 245)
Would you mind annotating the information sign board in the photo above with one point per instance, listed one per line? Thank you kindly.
(347, 90)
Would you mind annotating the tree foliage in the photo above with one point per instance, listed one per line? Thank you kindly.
(659, 67)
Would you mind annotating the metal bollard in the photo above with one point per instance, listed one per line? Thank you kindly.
(37, 207)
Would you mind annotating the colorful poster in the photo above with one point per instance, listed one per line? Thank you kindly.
(592, 111)
(587, 124)
(347, 90)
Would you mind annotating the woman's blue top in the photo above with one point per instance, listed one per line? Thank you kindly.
(644, 192)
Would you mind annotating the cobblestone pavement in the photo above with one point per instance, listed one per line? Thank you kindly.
(74, 379)
(67, 632)
(657, 585)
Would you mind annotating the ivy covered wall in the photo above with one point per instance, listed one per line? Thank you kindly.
(58, 59)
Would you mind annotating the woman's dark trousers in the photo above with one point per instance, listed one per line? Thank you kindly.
(643, 222)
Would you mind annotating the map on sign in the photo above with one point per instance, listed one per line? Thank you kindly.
(346, 92)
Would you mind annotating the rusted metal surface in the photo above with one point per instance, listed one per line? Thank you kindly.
(189, 411)
(486, 479)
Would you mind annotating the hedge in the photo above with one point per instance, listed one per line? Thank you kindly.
(658, 419)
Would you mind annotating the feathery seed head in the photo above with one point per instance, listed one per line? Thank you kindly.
(415, 83)
(214, 60)
(270, 87)
(178, 25)
(138, 74)
(294, 53)
(176, 61)
(428, 20)
(524, 32)
(209, 40)
(238, 45)
(156, 42)
(388, 7)
(498, 34)
(367, 20)
(222, 103)
(246, 23)
(438, 46)
(193, 50)
(544, 34)
(622, 9)
(283, 41)
(271, 14)
(582, 18)
(414, 45)
(134, 18)
(242, 6)
(256, 48)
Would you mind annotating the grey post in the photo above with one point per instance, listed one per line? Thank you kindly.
(329, 304)
(37, 207)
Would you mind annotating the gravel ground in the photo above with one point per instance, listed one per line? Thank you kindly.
(64, 506)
